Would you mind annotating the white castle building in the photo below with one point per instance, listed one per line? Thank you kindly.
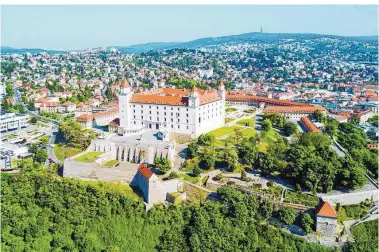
(183, 111)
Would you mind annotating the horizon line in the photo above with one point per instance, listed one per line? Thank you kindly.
(152, 42)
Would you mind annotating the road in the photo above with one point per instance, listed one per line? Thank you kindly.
(52, 123)
(50, 150)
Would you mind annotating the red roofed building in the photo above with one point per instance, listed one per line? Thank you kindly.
(326, 221)
(294, 112)
(243, 99)
(309, 125)
(154, 190)
(113, 125)
(86, 120)
(103, 118)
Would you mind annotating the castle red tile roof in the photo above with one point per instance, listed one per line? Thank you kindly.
(327, 210)
(309, 125)
(145, 171)
(174, 97)
(293, 109)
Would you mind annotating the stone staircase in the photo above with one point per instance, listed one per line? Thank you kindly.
(181, 153)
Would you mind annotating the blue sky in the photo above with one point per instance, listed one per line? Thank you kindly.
(80, 27)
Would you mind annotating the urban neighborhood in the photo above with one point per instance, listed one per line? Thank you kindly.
(268, 140)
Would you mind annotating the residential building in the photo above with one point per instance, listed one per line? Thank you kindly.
(85, 120)
(12, 121)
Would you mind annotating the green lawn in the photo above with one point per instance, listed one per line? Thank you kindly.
(193, 180)
(88, 157)
(352, 212)
(301, 198)
(250, 111)
(246, 122)
(62, 151)
(230, 109)
(224, 130)
(227, 119)
(111, 163)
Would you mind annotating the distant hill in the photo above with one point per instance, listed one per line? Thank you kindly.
(211, 41)
(11, 50)
(242, 38)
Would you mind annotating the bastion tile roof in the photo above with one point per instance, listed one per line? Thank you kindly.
(145, 171)
(326, 210)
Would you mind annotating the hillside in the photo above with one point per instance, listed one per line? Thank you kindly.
(253, 37)
(43, 212)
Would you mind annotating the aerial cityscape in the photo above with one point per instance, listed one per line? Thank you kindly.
(264, 140)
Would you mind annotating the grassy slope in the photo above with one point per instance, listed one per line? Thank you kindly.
(62, 151)
(88, 157)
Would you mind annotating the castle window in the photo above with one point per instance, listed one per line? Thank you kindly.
(187, 120)
(134, 106)
(187, 127)
(150, 107)
(187, 115)
(164, 108)
(142, 117)
(172, 126)
(178, 126)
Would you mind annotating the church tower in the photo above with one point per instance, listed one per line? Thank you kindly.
(124, 99)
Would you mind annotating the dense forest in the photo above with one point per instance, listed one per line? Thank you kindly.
(43, 212)
(366, 236)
